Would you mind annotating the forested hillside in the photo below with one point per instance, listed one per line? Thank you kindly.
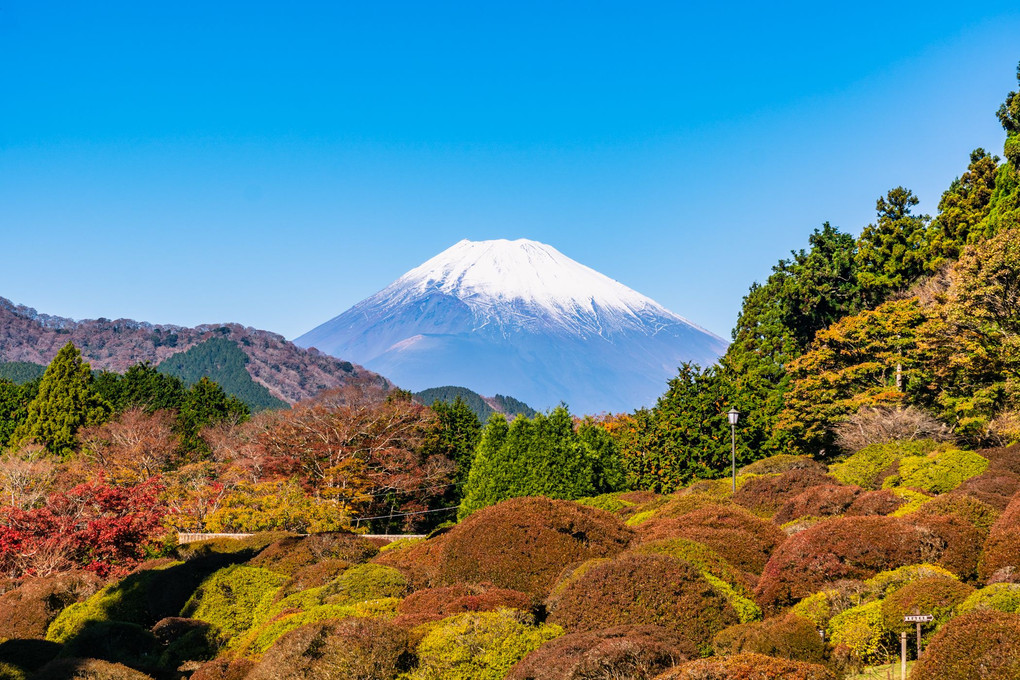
(287, 371)
(482, 407)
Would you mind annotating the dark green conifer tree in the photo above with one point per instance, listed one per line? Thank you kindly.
(891, 254)
(64, 404)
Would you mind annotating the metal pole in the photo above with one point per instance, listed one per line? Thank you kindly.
(733, 436)
(903, 656)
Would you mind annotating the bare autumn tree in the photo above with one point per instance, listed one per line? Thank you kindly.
(134, 447)
(26, 476)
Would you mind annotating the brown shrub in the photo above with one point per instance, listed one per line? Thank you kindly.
(882, 502)
(643, 589)
(28, 654)
(748, 667)
(779, 464)
(290, 554)
(880, 425)
(978, 513)
(935, 595)
(28, 610)
(619, 653)
(743, 540)
(983, 645)
(679, 504)
(224, 669)
(836, 549)
(419, 562)
(523, 543)
(312, 576)
(1003, 458)
(88, 669)
(818, 501)
(352, 649)
(994, 487)
(949, 541)
(788, 637)
(765, 495)
(434, 604)
(1002, 548)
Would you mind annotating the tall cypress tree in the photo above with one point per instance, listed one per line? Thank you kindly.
(65, 403)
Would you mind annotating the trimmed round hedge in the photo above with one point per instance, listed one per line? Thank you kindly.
(234, 598)
(788, 637)
(983, 645)
(979, 514)
(993, 486)
(224, 669)
(938, 596)
(365, 582)
(743, 540)
(88, 669)
(353, 649)
(748, 667)
(478, 645)
(881, 502)
(824, 500)
(1001, 558)
(643, 589)
(434, 604)
(1003, 597)
(523, 543)
(702, 557)
(28, 610)
(765, 495)
(780, 463)
(621, 653)
(858, 548)
(313, 576)
(292, 553)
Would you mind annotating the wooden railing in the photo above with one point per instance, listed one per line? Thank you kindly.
(183, 538)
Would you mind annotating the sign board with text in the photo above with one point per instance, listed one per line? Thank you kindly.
(918, 618)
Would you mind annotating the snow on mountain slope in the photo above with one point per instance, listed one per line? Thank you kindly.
(519, 318)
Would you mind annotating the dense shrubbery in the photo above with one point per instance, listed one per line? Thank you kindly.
(28, 610)
(938, 596)
(621, 652)
(233, 598)
(354, 649)
(89, 669)
(993, 486)
(881, 502)
(859, 635)
(748, 667)
(819, 501)
(975, 646)
(789, 637)
(839, 548)
(434, 604)
(643, 589)
(312, 576)
(742, 539)
(765, 495)
(289, 554)
(522, 544)
(978, 513)
(703, 558)
(365, 582)
(781, 463)
(940, 471)
(1003, 597)
(479, 645)
(865, 468)
(1001, 557)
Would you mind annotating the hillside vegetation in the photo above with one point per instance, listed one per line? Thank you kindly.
(482, 407)
(879, 477)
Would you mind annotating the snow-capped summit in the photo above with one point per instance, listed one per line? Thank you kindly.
(518, 318)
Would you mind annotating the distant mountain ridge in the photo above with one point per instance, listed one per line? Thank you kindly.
(288, 372)
(519, 317)
(483, 407)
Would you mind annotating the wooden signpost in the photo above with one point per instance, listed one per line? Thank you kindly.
(912, 618)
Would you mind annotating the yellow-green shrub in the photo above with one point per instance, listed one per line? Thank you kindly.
(860, 631)
(778, 464)
(1003, 597)
(816, 608)
(864, 467)
(262, 637)
(980, 514)
(885, 582)
(365, 582)
(745, 607)
(701, 556)
(400, 543)
(478, 645)
(233, 599)
(937, 472)
(914, 501)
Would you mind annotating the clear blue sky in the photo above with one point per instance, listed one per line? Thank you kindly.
(274, 163)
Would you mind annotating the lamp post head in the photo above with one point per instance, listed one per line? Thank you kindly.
(733, 415)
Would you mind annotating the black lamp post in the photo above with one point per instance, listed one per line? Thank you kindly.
(734, 415)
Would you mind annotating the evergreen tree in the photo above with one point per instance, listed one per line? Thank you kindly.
(64, 404)
(962, 208)
(204, 404)
(457, 437)
(142, 386)
(542, 456)
(891, 254)
(14, 400)
(1009, 116)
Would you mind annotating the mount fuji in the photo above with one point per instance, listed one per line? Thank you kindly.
(518, 318)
